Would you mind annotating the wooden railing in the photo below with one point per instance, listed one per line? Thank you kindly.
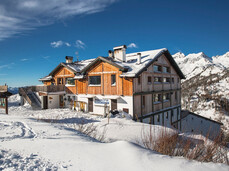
(23, 93)
(50, 88)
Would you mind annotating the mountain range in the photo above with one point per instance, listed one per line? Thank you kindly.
(205, 90)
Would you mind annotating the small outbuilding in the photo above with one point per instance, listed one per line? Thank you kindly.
(197, 124)
(4, 94)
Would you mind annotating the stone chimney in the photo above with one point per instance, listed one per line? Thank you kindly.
(120, 53)
(69, 59)
(139, 56)
(111, 53)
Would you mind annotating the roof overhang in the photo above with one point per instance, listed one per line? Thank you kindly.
(61, 65)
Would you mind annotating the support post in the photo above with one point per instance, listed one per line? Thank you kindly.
(6, 105)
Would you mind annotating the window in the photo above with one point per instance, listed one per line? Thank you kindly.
(149, 80)
(94, 80)
(157, 79)
(70, 81)
(173, 80)
(125, 110)
(143, 101)
(139, 80)
(157, 97)
(166, 96)
(171, 113)
(113, 80)
(157, 68)
(166, 69)
(158, 118)
(178, 80)
(59, 81)
(167, 115)
(166, 80)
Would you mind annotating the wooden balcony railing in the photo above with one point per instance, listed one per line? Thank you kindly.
(50, 88)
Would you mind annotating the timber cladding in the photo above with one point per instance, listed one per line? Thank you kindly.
(3, 88)
(105, 71)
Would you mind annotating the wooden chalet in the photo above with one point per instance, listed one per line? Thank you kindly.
(147, 85)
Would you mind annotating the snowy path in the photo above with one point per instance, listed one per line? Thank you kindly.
(69, 150)
(28, 144)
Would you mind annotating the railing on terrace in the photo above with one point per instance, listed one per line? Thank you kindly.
(50, 88)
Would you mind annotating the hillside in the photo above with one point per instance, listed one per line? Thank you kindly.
(205, 90)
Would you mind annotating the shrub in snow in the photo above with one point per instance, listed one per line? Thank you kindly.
(173, 144)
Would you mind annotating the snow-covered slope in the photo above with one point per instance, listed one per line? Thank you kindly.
(223, 59)
(29, 144)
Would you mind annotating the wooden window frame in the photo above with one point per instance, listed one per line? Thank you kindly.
(149, 79)
(95, 76)
(113, 76)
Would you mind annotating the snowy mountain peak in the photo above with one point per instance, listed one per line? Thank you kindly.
(223, 59)
(179, 55)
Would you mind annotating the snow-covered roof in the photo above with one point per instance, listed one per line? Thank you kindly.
(46, 78)
(78, 66)
(130, 67)
(147, 57)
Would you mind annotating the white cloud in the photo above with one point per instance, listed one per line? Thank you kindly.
(79, 44)
(132, 45)
(46, 57)
(17, 16)
(67, 44)
(24, 59)
(59, 44)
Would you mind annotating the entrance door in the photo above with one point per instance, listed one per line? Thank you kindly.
(61, 100)
(90, 104)
(45, 102)
(113, 104)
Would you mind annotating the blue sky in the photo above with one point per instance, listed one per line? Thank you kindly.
(36, 35)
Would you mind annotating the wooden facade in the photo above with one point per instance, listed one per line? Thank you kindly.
(146, 88)
(152, 95)
(123, 86)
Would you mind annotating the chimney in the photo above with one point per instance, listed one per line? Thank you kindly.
(111, 53)
(69, 59)
(139, 56)
(120, 53)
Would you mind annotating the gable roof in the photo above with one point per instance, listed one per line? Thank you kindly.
(130, 68)
(184, 114)
(75, 67)
(104, 59)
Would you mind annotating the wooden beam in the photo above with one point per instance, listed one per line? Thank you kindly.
(155, 91)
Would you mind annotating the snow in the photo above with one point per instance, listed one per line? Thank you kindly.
(200, 65)
(27, 143)
(134, 67)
